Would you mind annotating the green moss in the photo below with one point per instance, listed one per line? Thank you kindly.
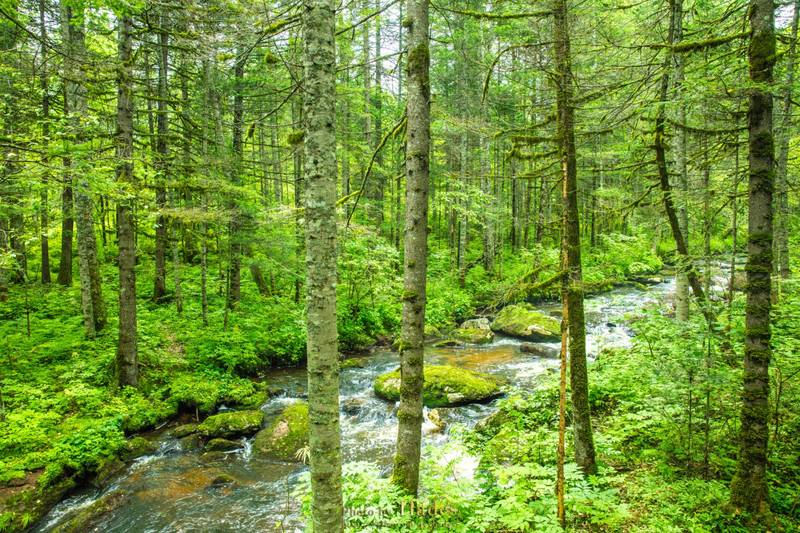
(296, 137)
(90, 517)
(285, 436)
(409, 296)
(227, 425)
(519, 322)
(445, 386)
(137, 447)
(222, 445)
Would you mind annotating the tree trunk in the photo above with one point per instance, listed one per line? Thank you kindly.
(409, 414)
(749, 489)
(43, 85)
(162, 168)
(682, 180)
(67, 224)
(235, 227)
(319, 60)
(782, 221)
(127, 348)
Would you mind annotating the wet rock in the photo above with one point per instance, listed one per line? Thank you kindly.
(538, 349)
(223, 445)
(182, 431)
(212, 457)
(31, 501)
(190, 442)
(556, 313)
(610, 325)
(231, 425)
(223, 479)
(434, 417)
(445, 386)
(137, 447)
(476, 323)
(448, 343)
(287, 435)
(491, 425)
(92, 516)
(473, 335)
(106, 472)
(353, 406)
(530, 325)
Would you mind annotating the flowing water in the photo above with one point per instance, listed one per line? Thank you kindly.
(172, 492)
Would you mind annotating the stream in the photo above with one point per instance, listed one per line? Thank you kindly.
(172, 492)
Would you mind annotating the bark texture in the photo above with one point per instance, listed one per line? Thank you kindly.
(579, 380)
(162, 168)
(319, 61)
(409, 414)
(127, 347)
(749, 486)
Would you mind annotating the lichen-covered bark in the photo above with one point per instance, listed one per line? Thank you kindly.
(237, 217)
(418, 130)
(127, 347)
(319, 60)
(162, 167)
(579, 380)
(749, 486)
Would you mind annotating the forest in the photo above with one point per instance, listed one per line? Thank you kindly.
(384, 265)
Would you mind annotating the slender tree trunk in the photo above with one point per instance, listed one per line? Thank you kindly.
(782, 221)
(319, 60)
(749, 486)
(67, 224)
(379, 178)
(678, 60)
(162, 168)
(463, 219)
(44, 86)
(579, 381)
(127, 348)
(409, 414)
(236, 178)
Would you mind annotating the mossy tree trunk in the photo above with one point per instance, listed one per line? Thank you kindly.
(44, 86)
(781, 245)
(319, 60)
(127, 348)
(161, 164)
(409, 414)
(579, 380)
(749, 486)
(237, 217)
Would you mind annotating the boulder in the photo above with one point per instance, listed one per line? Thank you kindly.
(445, 386)
(223, 445)
(106, 473)
(285, 436)
(354, 363)
(223, 479)
(530, 325)
(190, 442)
(476, 323)
(137, 447)
(212, 457)
(432, 332)
(434, 417)
(538, 349)
(182, 431)
(353, 406)
(448, 343)
(473, 335)
(91, 516)
(231, 425)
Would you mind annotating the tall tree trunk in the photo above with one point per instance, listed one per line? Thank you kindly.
(749, 486)
(161, 167)
(44, 86)
(409, 413)
(319, 61)
(781, 244)
(67, 224)
(127, 347)
(579, 380)
(463, 219)
(379, 178)
(235, 228)
(682, 303)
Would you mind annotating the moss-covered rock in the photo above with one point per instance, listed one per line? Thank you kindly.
(432, 332)
(190, 442)
(353, 406)
(285, 436)
(231, 425)
(491, 425)
(91, 516)
(436, 420)
(223, 479)
(212, 457)
(445, 386)
(138, 447)
(448, 343)
(476, 323)
(530, 325)
(473, 335)
(539, 349)
(106, 472)
(223, 445)
(504, 445)
(182, 431)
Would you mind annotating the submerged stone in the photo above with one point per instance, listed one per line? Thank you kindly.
(190, 442)
(223, 445)
(231, 425)
(445, 386)
(530, 325)
(285, 437)
(91, 516)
